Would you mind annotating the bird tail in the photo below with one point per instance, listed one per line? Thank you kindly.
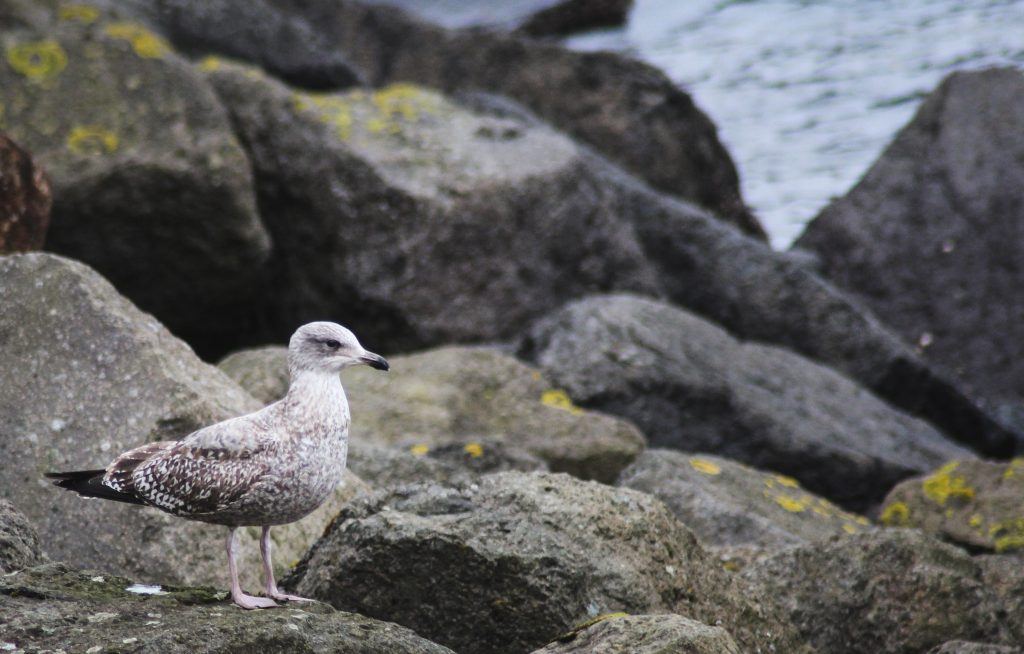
(89, 483)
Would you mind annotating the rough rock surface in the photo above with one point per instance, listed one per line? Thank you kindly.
(965, 647)
(624, 108)
(261, 371)
(1004, 574)
(691, 386)
(725, 503)
(974, 503)
(468, 395)
(55, 608)
(19, 543)
(518, 559)
(931, 237)
(25, 199)
(568, 16)
(643, 634)
(150, 185)
(75, 393)
(885, 591)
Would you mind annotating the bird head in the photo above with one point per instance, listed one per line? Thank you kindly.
(328, 347)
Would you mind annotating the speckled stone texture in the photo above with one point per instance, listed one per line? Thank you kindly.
(19, 542)
(465, 395)
(507, 564)
(977, 504)
(56, 608)
(643, 634)
(884, 592)
(690, 385)
(727, 504)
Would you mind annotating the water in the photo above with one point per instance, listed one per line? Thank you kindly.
(807, 94)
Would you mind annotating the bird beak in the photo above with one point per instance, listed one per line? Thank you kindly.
(375, 361)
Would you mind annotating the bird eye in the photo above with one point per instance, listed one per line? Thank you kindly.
(333, 344)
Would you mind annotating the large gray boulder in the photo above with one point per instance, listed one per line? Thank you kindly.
(643, 634)
(691, 386)
(508, 564)
(464, 396)
(150, 186)
(976, 504)
(727, 504)
(54, 608)
(19, 542)
(626, 109)
(74, 393)
(883, 592)
(931, 237)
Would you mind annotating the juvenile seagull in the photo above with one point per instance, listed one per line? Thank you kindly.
(266, 468)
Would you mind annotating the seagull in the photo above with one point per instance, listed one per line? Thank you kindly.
(266, 468)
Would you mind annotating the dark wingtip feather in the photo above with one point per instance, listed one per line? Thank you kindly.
(89, 483)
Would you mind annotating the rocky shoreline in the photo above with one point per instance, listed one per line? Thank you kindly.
(616, 421)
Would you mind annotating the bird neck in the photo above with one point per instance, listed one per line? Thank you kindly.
(317, 393)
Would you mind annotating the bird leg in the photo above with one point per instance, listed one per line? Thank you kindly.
(238, 596)
(268, 570)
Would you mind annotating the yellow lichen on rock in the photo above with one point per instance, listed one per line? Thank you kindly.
(407, 100)
(788, 482)
(557, 399)
(37, 60)
(475, 450)
(1008, 535)
(896, 514)
(420, 449)
(1014, 468)
(790, 503)
(145, 43)
(943, 485)
(705, 466)
(210, 63)
(78, 12)
(91, 140)
(329, 109)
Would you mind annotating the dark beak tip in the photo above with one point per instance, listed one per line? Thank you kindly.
(378, 362)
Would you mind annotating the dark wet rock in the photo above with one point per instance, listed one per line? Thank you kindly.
(56, 608)
(691, 386)
(885, 591)
(626, 109)
(261, 31)
(643, 634)
(514, 561)
(728, 504)
(459, 462)
(965, 647)
(76, 392)
(931, 237)
(150, 185)
(455, 397)
(977, 504)
(25, 199)
(19, 542)
(528, 17)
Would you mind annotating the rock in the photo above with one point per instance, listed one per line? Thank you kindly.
(964, 647)
(150, 185)
(56, 608)
(528, 17)
(261, 371)
(469, 395)
(727, 504)
(75, 393)
(643, 634)
(260, 31)
(24, 199)
(973, 503)
(930, 238)
(1004, 574)
(19, 543)
(884, 591)
(691, 386)
(459, 462)
(627, 110)
(510, 563)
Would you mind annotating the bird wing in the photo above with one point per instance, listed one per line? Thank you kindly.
(201, 474)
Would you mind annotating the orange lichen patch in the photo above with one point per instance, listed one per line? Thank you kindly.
(91, 140)
(37, 60)
(420, 449)
(78, 12)
(1015, 468)
(559, 400)
(705, 466)
(943, 485)
(475, 450)
(145, 43)
(1008, 535)
(329, 109)
(896, 514)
